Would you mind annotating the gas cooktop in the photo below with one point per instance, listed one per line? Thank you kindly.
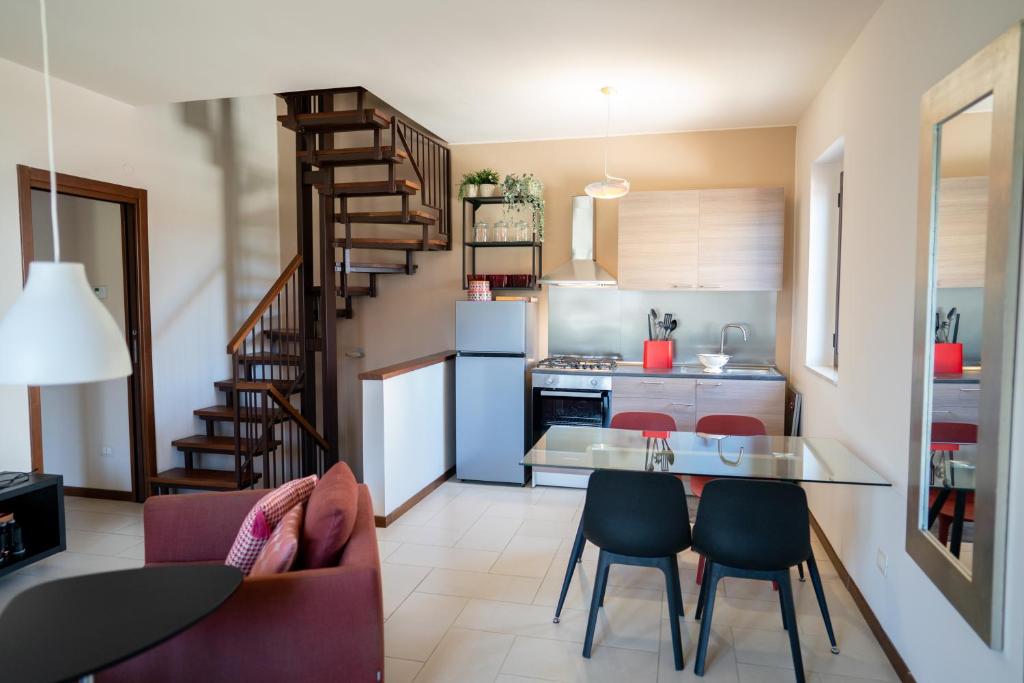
(577, 363)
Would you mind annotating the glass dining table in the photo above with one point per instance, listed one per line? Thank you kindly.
(785, 458)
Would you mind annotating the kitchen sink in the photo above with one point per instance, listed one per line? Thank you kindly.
(736, 370)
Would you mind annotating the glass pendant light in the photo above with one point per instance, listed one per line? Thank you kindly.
(57, 331)
(610, 187)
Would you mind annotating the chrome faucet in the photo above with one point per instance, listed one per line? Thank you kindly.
(725, 328)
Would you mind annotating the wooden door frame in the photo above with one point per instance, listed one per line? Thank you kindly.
(135, 245)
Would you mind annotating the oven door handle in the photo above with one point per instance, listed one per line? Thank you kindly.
(596, 395)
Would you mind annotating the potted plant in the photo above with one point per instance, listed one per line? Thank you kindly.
(525, 193)
(488, 180)
(469, 187)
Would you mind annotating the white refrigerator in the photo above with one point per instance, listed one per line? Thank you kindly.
(496, 343)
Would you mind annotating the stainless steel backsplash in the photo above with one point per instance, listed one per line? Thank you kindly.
(606, 321)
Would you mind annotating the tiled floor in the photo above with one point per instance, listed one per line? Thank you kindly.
(471, 576)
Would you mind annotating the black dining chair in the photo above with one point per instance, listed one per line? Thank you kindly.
(755, 530)
(639, 519)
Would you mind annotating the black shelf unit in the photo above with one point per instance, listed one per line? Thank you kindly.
(536, 248)
(38, 508)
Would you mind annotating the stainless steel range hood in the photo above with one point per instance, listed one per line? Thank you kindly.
(583, 270)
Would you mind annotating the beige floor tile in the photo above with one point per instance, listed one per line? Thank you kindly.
(547, 529)
(458, 515)
(490, 533)
(135, 552)
(480, 585)
(581, 588)
(633, 623)
(527, 556)
(508, 678)
(94, 543)
(99, 522)
(860, 657)
(422, 535)
(444, 558)
(63, 565)
(522, 620)
(398, 581)
(385, 548)
(563, 661)
(765, 647)
(757, 614)
(538, 511)
(419, 624)
(120, 507)
(134, 529)
(562, 496)
(400, 670)
(749, 589)
(465, 656)
(751, 673)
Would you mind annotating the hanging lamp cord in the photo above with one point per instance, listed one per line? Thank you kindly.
(49, 134)
(607, 131)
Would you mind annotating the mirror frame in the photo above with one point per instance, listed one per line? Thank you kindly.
(997, 70)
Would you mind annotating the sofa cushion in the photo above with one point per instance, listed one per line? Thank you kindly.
(263, 518)
(282, 547)
(330, 516)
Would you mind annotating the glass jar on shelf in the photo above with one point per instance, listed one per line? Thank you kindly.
(521, 231)
(481, 231)
(501, 231)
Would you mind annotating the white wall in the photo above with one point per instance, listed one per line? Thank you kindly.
(872, 101)
(408, 433)
(210, 169)
(79, 421)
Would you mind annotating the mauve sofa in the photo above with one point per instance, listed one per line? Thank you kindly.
(306, 625)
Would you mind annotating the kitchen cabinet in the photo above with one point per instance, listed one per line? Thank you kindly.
(658, 248)
(687, 400)
(960, 240)
(955, 402)
(740, 239)
(701, 239)
(761, 399)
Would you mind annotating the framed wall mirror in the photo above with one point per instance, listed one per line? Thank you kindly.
(967, 277)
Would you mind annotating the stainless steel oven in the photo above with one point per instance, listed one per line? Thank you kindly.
(570, 399)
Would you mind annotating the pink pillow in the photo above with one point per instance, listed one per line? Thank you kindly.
(263, 518)
(330, 517)
(279, 553)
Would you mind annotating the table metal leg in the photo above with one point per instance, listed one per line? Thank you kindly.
(933, 511)
(957, 533)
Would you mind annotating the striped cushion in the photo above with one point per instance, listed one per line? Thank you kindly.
(279, 553)
(264, 517)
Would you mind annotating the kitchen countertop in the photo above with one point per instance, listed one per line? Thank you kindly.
(753, 372)
(970, 375)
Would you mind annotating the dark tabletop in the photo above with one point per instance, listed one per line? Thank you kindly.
(72, 627)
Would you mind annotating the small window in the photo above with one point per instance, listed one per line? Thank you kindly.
(824, 267)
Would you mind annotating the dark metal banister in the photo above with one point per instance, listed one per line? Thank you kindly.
(265, 303)
(430, 159)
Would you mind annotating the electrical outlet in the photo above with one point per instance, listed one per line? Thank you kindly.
(882, 562)
(106, 451)
(100, 292)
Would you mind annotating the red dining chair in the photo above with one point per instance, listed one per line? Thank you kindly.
(951, 433)
(732, 425)
(639, 421)
(653, 422)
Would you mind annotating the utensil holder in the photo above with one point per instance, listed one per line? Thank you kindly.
(658, 354)
(949, 359)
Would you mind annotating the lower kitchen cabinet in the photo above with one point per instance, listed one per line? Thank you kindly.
(955, 402)
(765, 400)
(687, 400)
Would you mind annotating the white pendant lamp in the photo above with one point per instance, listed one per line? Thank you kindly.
(610, 187)
(57, 332)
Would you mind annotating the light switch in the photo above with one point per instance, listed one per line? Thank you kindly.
(107, 451)
(100, 292)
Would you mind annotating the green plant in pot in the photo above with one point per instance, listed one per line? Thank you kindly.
(525, 193)
(488, 180)
(469, 186)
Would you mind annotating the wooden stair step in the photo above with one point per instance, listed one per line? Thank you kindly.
(227, 414)
(268, 358)
(352, 156)
(418, 217)
(209, 480)
(379, 268)
(434, 244)
(201, 443)
(373, 188)
(282, 385)
(336, 121)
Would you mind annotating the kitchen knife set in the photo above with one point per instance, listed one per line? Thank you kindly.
(660, 330)
(947, 327)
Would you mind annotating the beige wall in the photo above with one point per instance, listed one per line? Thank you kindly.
(872, 101)
(413, 316)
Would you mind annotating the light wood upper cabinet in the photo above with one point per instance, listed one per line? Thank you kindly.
(960, 244)
(658, 248)
(697, 239)
(741, 239)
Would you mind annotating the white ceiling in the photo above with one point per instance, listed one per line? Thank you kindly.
(471, 71)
